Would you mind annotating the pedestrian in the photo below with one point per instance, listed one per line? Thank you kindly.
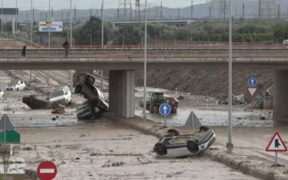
(24, 50)
(66, 47)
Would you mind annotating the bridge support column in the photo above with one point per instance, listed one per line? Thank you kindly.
(121, 92)
(280, 101)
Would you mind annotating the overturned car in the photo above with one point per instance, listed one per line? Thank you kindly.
(174, 145)
(95, 104)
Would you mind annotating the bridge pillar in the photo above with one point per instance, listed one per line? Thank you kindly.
(280, 101)
(121, 92)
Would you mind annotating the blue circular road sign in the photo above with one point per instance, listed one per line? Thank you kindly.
(252, 82)
(165, 109)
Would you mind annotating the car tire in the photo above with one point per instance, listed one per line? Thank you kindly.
(78, 89)
(173, 132)
(192, 146)
(160, 149)
(204, 128)
(174, 110)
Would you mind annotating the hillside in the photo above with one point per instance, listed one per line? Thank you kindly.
(204, 82)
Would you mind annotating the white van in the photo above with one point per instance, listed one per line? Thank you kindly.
(63, 97)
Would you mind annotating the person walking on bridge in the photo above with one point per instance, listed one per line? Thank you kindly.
(66, 47)
(24, 51)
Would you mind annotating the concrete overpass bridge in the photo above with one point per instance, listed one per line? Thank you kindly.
(121, 64)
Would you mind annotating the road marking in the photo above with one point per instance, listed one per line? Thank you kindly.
(47, 171)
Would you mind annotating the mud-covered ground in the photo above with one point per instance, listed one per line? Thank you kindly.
(108, 151)
(99, 150)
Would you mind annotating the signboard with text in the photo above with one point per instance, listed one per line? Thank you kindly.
(52, 26)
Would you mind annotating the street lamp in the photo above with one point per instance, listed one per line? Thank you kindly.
(145, 61)
(2, 17)
(71, 26)
(229, 143)
(49, 33)
(31, 38)
(102, 38)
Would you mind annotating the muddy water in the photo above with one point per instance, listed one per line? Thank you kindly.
(212, 118)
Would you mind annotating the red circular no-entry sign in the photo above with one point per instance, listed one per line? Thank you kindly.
(47, 170)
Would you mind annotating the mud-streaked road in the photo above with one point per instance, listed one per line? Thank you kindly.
(103, 150)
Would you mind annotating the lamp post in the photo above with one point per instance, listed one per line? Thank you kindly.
(145, 61)
(71, 26)
(16, 23)
(102, 38)
(49, 33)
(31, 30)
(229, 143)
(2, 17)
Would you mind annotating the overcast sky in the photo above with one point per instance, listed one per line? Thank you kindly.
(88, 4)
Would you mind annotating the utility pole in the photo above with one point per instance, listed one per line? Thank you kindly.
(210, 11)
(102, 39)
(259, 9)
(161, 10)
(49, 33)
(278, 11)
(31, 30)
(16, 23)
(192, 4)
(2, 17)
(178, 16)
(243, 11)
(229, 143)
(145, 61)
(131, 11)
(71, 26)
(138, 9)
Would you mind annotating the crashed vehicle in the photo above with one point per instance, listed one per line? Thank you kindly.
(95, 104)
(174, 145)
(64, 96)
(56, 100)
(20, 86)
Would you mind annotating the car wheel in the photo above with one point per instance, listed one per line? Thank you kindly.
(192, 146)
(204, 128)
(174, 110)
(78, 89)
(173, 132)
(160, 149)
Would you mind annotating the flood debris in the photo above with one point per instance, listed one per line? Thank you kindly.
(36, 103)
(95, 104)
(174, 145)
(64, 96)
(56, 101)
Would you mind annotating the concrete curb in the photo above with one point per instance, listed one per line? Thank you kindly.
(151, 128)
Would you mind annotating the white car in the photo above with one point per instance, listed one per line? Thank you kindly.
(63, 97)
(174, 145)
(285, 42)
(20, 86)
(1, 94)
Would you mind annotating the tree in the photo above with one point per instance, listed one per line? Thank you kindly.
(129, 35)
(91, 32)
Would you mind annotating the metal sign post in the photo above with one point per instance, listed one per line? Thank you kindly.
(165, 110)
(276, 145)
(229, 143)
